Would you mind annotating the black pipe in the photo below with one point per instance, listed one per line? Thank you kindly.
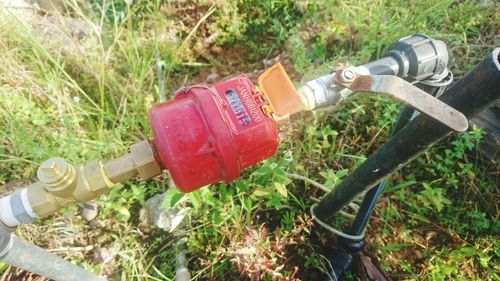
(347, 249)
(372, 195)
(476, 91)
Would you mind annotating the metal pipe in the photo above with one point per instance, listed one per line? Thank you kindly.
(32, 258)
(477, 90)
(60, 185)
(383, 66)
(322, 92)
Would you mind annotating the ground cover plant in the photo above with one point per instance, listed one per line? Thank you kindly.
(85, 96)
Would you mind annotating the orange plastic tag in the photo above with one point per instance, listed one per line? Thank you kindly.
(279, 91)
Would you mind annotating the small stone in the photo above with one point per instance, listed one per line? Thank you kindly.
(182, 274)
(89, 210)
(105, 257)
(168, 219)
(96, 223)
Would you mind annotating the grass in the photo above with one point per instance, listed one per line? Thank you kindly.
(87, 100)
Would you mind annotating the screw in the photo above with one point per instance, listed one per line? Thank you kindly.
(347, 75)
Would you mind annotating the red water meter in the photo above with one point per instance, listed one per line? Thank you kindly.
(206, 134)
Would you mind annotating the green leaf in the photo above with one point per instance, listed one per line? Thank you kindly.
(399, 186)
(484, 260)
(247, 202)
(497, 249)
(172, 197)
(281, 188)
(216, 217)
(241, 186)
(395, 246)
(223, 192)
(261, 192)
(468, 251)
(124, 212)
(264, 170)
(433, 197)
(195, 199)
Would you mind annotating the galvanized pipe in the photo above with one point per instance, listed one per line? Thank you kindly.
(32, 258)
(477, 90)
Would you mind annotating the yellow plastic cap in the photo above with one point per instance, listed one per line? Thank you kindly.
(279, 91)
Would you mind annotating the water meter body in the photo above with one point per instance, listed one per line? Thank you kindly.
(206, 134)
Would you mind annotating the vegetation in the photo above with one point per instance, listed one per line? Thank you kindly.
(88, 98)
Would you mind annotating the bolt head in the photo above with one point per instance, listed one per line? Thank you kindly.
(42, 203)
(348, 75)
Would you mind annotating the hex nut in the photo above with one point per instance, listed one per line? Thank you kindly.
(144, 160)
(120, 169)
(41, 201)
(92, 182)
(347, 75)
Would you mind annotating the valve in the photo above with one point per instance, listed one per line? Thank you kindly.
(414, 58)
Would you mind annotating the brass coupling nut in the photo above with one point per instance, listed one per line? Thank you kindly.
(140, 161)
(144, 160)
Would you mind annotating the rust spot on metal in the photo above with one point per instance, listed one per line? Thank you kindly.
(361, 83)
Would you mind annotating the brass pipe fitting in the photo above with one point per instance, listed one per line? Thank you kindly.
(140, 161)
(62, 184)
(59, 177)
(43, 202)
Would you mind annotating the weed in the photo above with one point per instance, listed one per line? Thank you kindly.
(91, 102)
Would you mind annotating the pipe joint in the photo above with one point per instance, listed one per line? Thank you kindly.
(140, 161)
(62, 184)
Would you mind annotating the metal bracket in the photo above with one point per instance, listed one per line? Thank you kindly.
(404, 92)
